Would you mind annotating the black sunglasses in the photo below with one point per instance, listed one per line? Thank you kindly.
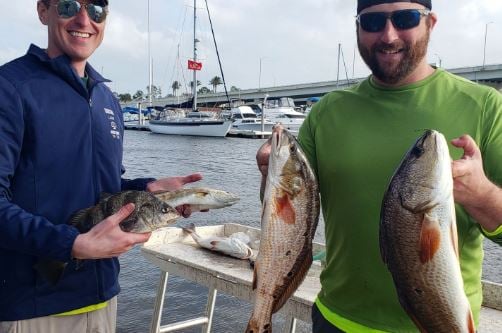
(70, 8)
(401, 19)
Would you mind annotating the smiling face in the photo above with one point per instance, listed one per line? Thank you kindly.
(396, 57)
(77, 37)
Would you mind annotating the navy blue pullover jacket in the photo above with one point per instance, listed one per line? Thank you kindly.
(60, 147)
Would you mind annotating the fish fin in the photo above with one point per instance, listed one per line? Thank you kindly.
(50, 270)
(255, 275)
(79, 216)
(285, 209)
(262, 188)
(189, 228)
(454, 235)
(299, 271)
(430, 238)
(104, 196)
(470, 322)
(259, 324)
(382, 240)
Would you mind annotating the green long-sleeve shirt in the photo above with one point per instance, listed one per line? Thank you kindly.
(355, 139)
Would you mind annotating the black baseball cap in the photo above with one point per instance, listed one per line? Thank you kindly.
(362, 4)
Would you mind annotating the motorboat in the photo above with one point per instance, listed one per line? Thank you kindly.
(245, 119)
(282, 110)
(195, 123)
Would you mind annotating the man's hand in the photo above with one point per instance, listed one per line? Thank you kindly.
(470, 182)
(106, 239)
(262, 157)
(173, 184)
(472, 189)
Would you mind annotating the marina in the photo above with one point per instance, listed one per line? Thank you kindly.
(226, 163)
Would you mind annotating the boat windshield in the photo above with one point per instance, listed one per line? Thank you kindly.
(280, 102)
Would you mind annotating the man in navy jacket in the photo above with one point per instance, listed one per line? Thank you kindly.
(61, 138)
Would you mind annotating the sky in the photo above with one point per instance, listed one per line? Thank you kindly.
(292, 42)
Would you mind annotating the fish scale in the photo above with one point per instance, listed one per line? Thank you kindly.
(418, 239)
(290, 214)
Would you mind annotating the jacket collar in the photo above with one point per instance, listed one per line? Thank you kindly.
(63, 67)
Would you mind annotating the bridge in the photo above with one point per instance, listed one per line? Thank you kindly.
(489, 75)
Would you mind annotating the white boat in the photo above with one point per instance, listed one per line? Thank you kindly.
(195, 123)
(245, 119)
(282, 110)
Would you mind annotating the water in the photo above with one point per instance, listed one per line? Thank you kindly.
(227, 164)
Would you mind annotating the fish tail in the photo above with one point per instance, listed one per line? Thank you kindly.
(190, 228)
(259, 325)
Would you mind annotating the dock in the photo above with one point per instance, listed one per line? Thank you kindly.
(175, 252)
(249, 134)
(135, 125)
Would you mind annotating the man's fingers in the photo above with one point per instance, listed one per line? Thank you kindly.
(140, 238)
(459, 168)
(191, 178)
(122, 214)
(467, 143)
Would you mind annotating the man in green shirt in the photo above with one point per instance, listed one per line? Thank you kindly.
(356, 138)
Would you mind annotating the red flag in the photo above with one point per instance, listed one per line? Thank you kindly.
(196, 66)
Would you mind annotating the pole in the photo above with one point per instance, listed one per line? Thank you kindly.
(338, 67)
(194, 104)
(259, 77)
(484, 48)
(150, 75)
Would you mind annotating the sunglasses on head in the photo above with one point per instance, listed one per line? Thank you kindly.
(70, 8)
(401, 19)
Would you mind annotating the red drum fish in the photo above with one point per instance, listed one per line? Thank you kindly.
(290, 213)
(418, 239)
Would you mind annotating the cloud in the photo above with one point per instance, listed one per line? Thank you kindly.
(296, 40)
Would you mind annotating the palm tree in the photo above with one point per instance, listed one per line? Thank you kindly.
(175, 86)
(191, 84)
(215, 82)
(204, 90)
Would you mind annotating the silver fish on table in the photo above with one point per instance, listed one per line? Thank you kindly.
(151, 212)
(290, 213)
(418, 239)
(231, 246)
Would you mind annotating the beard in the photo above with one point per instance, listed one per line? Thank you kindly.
(395, 72)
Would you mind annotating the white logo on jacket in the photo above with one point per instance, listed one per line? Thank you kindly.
(113, 125)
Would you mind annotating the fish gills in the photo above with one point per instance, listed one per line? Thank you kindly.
(418, 239)
(290, 213)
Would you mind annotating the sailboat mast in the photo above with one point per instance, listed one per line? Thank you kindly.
(150, 65)
(194, 105)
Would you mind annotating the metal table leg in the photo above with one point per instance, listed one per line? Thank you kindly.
(290, 325)
(159, 303)
(211, 300)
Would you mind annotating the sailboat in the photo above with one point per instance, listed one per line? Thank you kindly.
(195, 123)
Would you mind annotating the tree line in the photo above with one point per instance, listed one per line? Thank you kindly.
(175, 86)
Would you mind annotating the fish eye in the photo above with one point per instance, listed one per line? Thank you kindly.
(292, 148)
(417, 151)
(164, 210)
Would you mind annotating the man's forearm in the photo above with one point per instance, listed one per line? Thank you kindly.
(488, 211)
